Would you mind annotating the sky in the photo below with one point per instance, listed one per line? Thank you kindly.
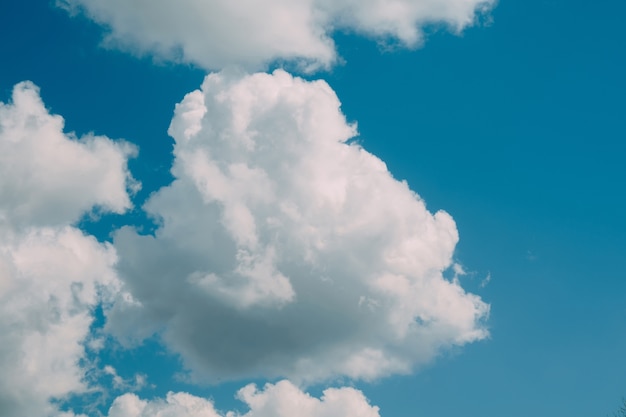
(381, 208)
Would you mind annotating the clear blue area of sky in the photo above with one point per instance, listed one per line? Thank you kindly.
(517, 128)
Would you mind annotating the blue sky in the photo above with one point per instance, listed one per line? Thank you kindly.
(515, 127)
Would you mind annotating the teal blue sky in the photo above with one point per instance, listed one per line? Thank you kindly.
(516, 127)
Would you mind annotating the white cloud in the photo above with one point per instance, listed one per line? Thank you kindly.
(175, 404)
(218, 33)
(285, 251)
(48, 177)
(51, 274)
(136, 383)
(284, 400)
(50, 283)
(280, 400)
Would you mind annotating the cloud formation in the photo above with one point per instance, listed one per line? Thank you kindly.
(283, 249)
(219, 33)
(52, 275)
(286, 250)
(48, 177)
(275, 400)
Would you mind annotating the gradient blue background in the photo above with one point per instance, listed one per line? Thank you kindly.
(516, 128)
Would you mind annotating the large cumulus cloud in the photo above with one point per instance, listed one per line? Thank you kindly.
(218, 33)
(52, 275)
(286, 250)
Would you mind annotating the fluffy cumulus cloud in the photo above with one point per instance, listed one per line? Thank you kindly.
(52, 275)
(218, 33)
(280, 400)
(48, 177)
(285, 249)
